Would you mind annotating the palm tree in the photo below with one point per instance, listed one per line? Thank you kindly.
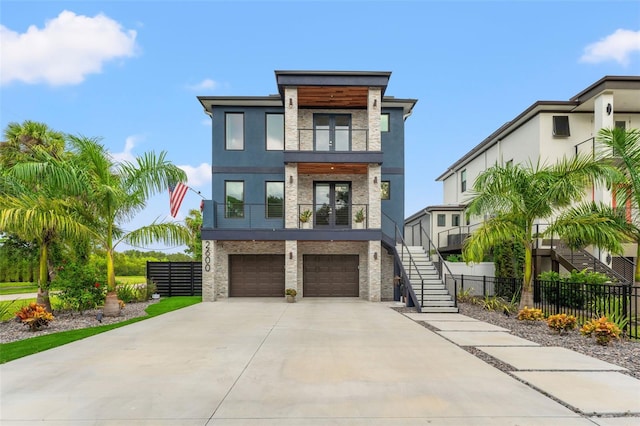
(36, 197)
(193, 221)
(116, 192)
(515, 196)
(622, 148)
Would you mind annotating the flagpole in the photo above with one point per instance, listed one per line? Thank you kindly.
(197, 192)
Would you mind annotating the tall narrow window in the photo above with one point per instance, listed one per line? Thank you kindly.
(455, 220)
(385, 190)
(384, 122)
(275, 132)
(275, 199)
(234, 131)
(234, 199)
(463, 180)
(442, 220)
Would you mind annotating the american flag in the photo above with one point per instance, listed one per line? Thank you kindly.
(176, 195)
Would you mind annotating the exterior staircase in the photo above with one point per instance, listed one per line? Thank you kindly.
(581, 260)
(425, 280)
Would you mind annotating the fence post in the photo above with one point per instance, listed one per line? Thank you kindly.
(170, 283)
(461, 281)
(484, 285)
(557, 283)
(626, 311)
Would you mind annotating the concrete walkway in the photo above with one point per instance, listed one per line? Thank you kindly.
(315, 362)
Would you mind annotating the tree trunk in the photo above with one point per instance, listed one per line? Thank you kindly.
(43, 299)
(43, 279)
(111, 305)
(526, 299)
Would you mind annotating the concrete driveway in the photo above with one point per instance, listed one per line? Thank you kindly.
(266, 362)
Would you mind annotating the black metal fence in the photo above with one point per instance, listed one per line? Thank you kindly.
(176, 278)
(619, 302)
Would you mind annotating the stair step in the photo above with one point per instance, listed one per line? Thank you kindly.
(439, 310)
(433, 303)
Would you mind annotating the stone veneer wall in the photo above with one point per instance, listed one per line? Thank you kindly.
(386, 276)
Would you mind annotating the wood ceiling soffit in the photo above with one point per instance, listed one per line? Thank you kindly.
(332, 96)
(332, 168)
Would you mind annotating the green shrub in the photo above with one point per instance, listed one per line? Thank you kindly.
(466, 296)
(495, 303)
(569, 290)
(454, 258)
(80, 287)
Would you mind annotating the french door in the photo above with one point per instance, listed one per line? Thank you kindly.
(332, 132)
(332, 204)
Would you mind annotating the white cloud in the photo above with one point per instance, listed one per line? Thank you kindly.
(127, 154)
(198, 176)
(65, 51)
(205, 84)
(617, 47)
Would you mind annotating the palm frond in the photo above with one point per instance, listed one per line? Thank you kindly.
(170, 233)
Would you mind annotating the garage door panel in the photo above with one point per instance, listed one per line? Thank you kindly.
(256, 275)
(331, 275)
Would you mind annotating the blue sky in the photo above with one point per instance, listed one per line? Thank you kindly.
(129, 72)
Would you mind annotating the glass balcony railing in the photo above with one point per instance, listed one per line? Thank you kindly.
(338, 140)
(239, 215)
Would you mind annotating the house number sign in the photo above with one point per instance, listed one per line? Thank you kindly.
(207, 256)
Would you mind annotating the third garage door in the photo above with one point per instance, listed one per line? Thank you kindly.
(330, 275)
(256, 275)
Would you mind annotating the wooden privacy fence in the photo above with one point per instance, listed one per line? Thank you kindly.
(176, 278)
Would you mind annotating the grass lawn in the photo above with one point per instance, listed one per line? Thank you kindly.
(134, 279)
(18, 288)
(19, 349)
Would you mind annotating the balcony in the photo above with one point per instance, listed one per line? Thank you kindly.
(244, 221)
(344, 146)
(451, 240)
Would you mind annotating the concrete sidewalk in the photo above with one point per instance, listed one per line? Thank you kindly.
(244, 362)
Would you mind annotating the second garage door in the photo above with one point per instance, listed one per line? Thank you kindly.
(256, 275)
(331, 275)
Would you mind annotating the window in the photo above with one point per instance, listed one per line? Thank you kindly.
(275, 132)
(385, 190)
(463, 180)
(274, 194)
(455, 220)
(620, 125)
(384, 122)
(234, 128)
(442, 220)
(234, 199)
(561, 125)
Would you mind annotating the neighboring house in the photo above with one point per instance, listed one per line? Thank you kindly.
(546, 131)
(330, 144)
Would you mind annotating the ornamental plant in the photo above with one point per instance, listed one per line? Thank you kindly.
(561, 323)
(530, 314)
(291, 292)
(34, 316)
(603, 330)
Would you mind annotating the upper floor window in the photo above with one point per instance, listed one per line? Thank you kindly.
(385, 190)
(455, 220)
(561, 125)
(442, 220)
(463, 180)
(275, 132)
(275, 199)
(234, 199)
(234, 131)
(384, 122)
(332, 132)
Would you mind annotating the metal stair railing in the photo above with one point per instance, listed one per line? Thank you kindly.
(579, 258)
(407, 277)
(441, 275)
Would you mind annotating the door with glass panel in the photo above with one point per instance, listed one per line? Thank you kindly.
(332, 132)
(332, 204)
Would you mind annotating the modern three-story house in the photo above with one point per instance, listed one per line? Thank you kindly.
(307, 188)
